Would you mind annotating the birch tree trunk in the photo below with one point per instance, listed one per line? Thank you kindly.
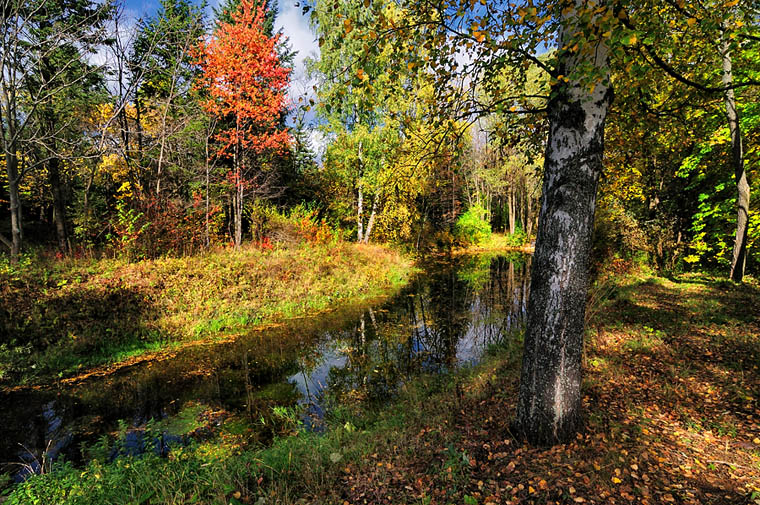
(208, 237)
(237, 200)
(359, 218)
(371, 221)
(549, 402)
(529, 218)
(15, 203)
(8, 128)
(739, 256)
(360, 199)
(511, 207)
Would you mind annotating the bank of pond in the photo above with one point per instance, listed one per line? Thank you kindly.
(217, 410)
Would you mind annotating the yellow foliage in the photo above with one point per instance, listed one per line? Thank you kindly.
(112, 165)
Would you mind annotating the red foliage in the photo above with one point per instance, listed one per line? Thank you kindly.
(245, 80)
(314, 231)
(266, 244)
(164, 226)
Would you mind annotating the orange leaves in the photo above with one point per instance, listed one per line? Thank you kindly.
(245, 79)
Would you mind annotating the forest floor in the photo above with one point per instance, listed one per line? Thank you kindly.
(672, 401)
(671, 395)
(61, 319)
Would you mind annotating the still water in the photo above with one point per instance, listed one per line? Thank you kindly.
(443, 319)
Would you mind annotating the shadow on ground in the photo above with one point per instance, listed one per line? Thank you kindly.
(672, 396)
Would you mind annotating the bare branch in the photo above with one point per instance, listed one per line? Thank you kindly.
(5, 241)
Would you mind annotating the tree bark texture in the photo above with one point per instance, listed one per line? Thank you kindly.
(237, 198)
(15, 204)
(739, 256)
(360, 199)
(59, 205)
(13, 175)
(237, 202)
(371, 221)
(549, 403)
(359, 217)
(511, 203)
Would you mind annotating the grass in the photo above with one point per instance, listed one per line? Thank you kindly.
(672, 416)
(64, 317)
(498, 242)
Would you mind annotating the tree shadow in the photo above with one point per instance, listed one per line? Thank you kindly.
(684, 364)
(671, 398)
(55, 332)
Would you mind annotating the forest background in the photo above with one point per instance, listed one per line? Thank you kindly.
(115, 140)
(192, 162)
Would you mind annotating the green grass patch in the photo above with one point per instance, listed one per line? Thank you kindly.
(61, 317)
(229, 470)
(444, 439)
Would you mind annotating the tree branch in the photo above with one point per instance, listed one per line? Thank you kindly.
(694, 84)
(7, 243)
(648, 50)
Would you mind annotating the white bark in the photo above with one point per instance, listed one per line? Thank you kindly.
(549, 402)
(739, 255)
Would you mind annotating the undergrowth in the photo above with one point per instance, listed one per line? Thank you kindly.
(670, 418)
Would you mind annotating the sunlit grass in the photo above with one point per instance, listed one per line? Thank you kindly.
(73, 315)
(658, 395)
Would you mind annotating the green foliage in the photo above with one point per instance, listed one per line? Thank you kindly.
(225, 469)
(128, 226)
(202, 473)
(518, 238)
(160, 54)
(472, 227)
(713, 224)
(476, 272)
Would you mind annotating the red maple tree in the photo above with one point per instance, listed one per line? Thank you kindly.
(245, 85)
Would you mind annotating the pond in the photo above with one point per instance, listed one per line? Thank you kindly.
(446, 317)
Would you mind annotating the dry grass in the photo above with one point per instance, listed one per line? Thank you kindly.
(65, 317)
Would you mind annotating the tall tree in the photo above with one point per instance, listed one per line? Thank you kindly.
(245, 81)
(549, 402)
(42, 46)
(715, 53)
(162, 63)
(495, 36)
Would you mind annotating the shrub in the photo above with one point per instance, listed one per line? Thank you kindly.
(517, 238)
(150, 228)
(300, 224)
(472, 227)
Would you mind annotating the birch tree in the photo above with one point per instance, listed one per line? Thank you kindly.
(712, 48)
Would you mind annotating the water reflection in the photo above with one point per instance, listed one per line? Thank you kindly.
(442, 320)
(445, 318)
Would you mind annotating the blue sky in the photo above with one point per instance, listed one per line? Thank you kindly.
(294, 25)
(290, 19)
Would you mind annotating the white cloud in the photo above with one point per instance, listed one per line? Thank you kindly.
(295, 26)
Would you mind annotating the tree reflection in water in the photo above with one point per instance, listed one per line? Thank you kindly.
(443, 320)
